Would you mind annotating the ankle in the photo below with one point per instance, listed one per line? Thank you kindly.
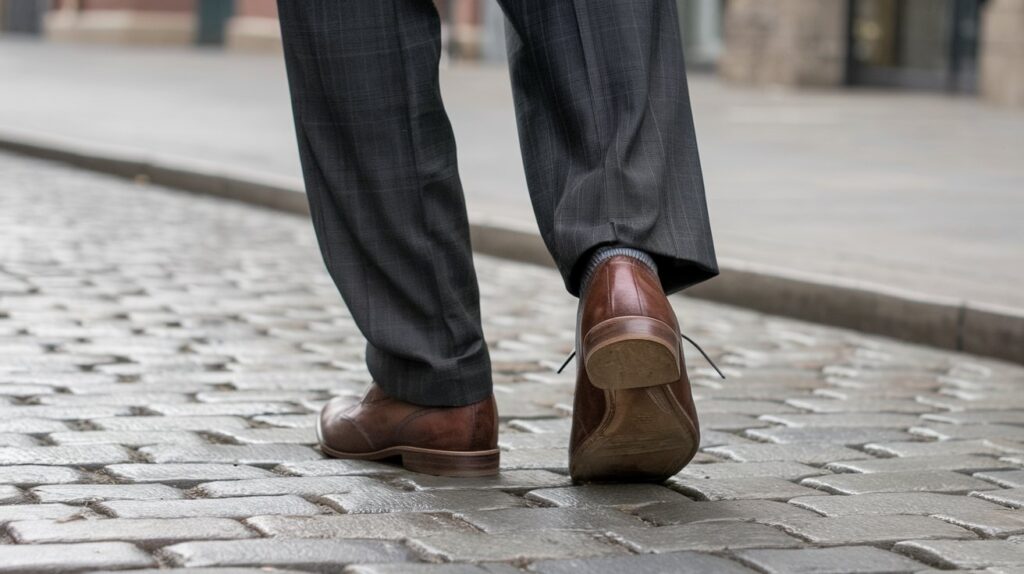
(603, 253)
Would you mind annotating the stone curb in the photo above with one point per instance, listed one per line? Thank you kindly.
(946, 323)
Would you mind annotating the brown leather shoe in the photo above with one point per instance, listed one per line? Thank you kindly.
(633, 415)
(443, 441)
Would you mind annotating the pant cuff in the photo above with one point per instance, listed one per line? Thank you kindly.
(454, 383)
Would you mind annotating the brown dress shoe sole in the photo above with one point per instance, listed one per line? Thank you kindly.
(427, 461)
(645, 436)
(631, 352)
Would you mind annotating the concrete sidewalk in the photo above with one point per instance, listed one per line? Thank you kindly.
(909, 193)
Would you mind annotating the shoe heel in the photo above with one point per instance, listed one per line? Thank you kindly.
(622, 449)
(632, 352)
(455, 464)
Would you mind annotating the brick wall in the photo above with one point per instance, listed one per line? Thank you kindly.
(122, 21)
(254, 26)
(1001, 75)
(789, 42)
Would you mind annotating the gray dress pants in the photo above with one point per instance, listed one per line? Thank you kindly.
(607, 142)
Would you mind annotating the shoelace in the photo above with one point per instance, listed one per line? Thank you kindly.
(684, 337)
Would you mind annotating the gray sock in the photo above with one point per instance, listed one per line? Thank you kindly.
(603, 253)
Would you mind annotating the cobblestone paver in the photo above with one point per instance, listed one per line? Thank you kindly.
(162, 357)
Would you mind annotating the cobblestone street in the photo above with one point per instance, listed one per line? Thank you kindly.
(162, 356)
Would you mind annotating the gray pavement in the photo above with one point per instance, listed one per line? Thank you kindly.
(909, 192)
(162, 356)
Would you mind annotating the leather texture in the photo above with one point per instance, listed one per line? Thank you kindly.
(379, 422)
(621, 287)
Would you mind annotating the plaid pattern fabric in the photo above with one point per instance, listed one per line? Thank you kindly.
(607, 141)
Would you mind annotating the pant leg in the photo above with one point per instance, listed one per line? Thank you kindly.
(607, 134)
(378, 159)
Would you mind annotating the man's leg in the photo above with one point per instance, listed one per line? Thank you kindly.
(378, 157)
(607, 134)
(611, 162)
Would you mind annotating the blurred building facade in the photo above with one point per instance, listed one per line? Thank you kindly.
(235, 24)
(963, 46)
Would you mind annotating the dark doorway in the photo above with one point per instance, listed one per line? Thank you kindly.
(918, 44)
(23, 16)
(213, 18)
